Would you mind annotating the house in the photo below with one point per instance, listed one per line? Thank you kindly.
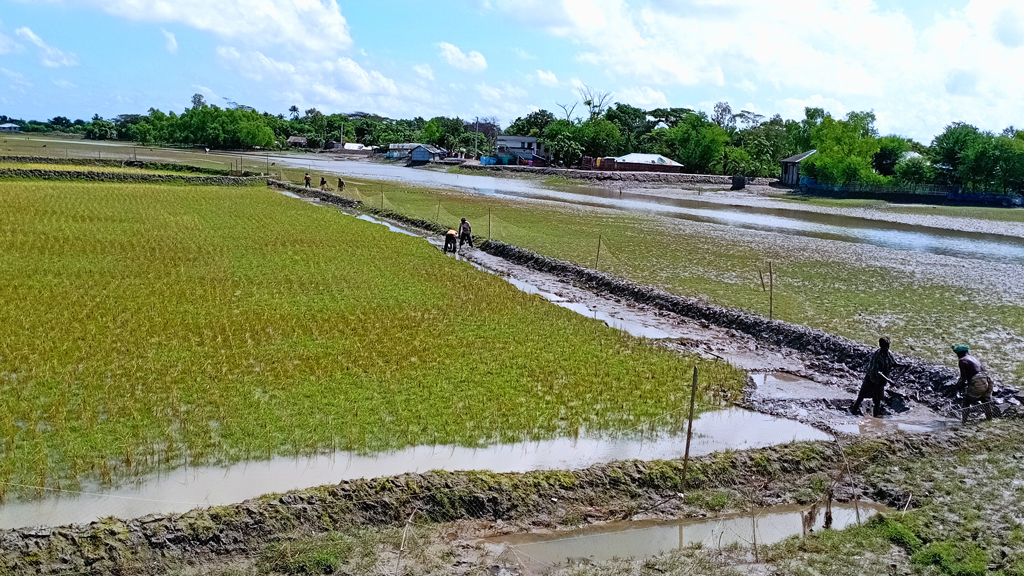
(10, 128)
(353, 147)
(525, 148)
(415, 152)
(298, 141)
(656, 159)
(791, 168)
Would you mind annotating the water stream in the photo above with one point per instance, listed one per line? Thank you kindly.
(183, 489)
(644, 539)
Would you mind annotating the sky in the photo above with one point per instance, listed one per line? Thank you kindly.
(919, 64)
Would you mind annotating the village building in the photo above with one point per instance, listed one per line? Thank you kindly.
(791, 168)
(298, 141)
(637, 158)
(10, 128)
(415, 152)
(525, 148)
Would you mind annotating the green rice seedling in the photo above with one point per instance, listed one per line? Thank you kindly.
(146, 326)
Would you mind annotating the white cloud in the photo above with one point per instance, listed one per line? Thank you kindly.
(305, 25)
(171, 42)
(339, 80)
(643, 96)
(959, 65)
(523, 54)
(65, 84)
(503, 93)
(50, 56)
(547, 78)
(424, 70)
(8, 45)
(470, 62)
(15, 78)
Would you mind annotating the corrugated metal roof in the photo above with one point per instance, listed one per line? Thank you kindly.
(637, 158)
(799, 157)
(9, 125)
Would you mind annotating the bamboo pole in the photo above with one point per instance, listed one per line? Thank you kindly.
(771, 292)
(488, 224)
(689, 427)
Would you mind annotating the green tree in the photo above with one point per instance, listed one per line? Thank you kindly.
(632, 122)
(914, 172)
(533, 124)
(565, 150)
(890, 151)
(949, 149)
(598, 137)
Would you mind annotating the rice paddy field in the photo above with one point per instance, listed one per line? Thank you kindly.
(144, 326)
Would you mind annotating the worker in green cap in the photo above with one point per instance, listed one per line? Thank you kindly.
(880, 369)
(974, 382)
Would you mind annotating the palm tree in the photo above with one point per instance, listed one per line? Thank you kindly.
(294, 111)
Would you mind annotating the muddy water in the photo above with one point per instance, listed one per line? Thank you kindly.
(992, 247)
(184, 489)
(638, 540)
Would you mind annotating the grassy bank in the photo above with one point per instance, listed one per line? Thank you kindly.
(146, 325)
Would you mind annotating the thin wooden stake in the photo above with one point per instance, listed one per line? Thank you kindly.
(753, 524)
(761, 274)
(398, 564)
(488, 224)
(689, 426)
(771, 292)
(437, 217)
(597, 261)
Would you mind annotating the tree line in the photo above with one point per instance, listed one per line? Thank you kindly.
(849, 149)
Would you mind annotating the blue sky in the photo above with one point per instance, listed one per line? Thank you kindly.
(918, 65)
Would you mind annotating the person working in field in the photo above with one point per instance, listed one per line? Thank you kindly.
(974, 382)
(308, 180)
(880, 369)
(465, 233)
(449, 241)
(323, 184)
(341, 184)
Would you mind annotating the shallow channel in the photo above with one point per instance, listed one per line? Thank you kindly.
(187, 488)
(644, 539)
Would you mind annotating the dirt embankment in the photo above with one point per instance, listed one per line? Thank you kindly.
(605, 492)
(93, 176)
(606, 176)
(111, 163)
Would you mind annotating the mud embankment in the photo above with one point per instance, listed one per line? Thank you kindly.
(606, 176)
(94, 176)
(606, 492)
(112, 163)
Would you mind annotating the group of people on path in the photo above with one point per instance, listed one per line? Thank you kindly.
(974, 383)
(323, 183)
(463, 235)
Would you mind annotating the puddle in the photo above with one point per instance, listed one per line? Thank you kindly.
(391, 227)
(633, 327)
(184, 489)
(785, 385)
(644, 539)
(869, 425)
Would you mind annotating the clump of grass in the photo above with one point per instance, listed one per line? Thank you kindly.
(954, 558)
(142, 326)
(80, 168)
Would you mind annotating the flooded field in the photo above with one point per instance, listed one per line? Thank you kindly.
(184, 489)
(989, 247)
(538, 553)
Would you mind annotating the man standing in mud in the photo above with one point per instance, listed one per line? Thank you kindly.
(880, 369)
(307, 180)
(465, 233)
(974, 382)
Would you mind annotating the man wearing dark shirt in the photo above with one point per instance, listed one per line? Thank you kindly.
(974, 382)
(880, 367)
